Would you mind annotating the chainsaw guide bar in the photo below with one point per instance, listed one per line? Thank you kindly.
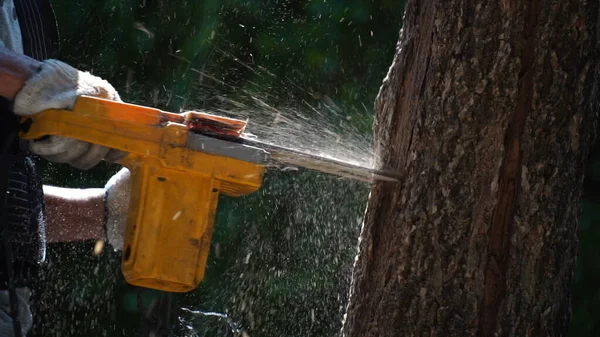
(228, 130)
(281, 154)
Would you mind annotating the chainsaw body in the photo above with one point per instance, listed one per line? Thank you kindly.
(179, 165)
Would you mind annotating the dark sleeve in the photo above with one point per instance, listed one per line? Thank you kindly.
(23, 217)
(38, 29)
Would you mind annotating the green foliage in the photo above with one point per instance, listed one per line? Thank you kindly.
(586, 293)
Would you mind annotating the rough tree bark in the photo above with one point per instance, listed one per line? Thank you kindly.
(489, 109)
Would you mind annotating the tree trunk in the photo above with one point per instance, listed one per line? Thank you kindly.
(489, 110)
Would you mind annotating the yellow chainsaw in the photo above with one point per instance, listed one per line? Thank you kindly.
(179, 164)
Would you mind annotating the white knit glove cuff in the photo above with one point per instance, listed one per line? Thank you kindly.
(118, 191)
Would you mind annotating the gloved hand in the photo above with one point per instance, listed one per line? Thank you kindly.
(117, 193)
(56, 86)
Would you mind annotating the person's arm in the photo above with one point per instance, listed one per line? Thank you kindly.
(15, 69)
(74, 214)
(35, 86)
(89, 214)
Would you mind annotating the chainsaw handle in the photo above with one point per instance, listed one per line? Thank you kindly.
(15, 70)
(116, 125)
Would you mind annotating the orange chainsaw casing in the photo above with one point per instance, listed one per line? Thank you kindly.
(174, 189)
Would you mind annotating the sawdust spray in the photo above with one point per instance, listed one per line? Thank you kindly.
(286, 270)
(299, 119)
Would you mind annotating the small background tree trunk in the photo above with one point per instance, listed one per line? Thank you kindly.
(490, 110)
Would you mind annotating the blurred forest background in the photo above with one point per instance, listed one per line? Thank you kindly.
(305, 73)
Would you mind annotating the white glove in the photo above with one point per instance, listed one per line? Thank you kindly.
(56, 86)
(118, 191)
(25, 317)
